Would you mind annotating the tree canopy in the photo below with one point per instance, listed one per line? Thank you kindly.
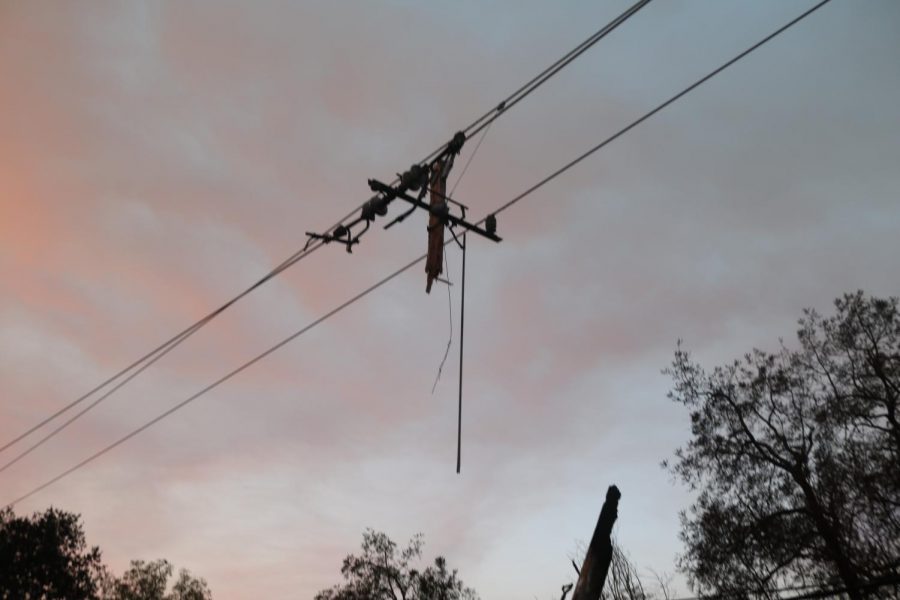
(45, 557)
(384, 572)
(150, 580)
(795, 457)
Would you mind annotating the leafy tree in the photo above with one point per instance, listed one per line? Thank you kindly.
(188, 587)
(149, 581)
(795, 456)
(45, 556)
(382, 572)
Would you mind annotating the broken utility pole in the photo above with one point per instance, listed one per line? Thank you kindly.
(599, 553)
(422, 178)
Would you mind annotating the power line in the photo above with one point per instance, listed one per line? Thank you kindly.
(541, 78)
(649, 114)
(469, 161)
(219, 381)
(440, 370)
(165, 346)
(403, 269)
(148, 360)
(151, 357)
(79, 414)
(555, 68)
(163, 349)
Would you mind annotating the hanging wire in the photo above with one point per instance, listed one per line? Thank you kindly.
(462, 331)
(446, 264)
(471, 156)
(450, 318)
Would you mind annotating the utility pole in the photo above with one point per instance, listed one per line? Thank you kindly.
(599, 554)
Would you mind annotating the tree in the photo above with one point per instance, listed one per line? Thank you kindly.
(45, 556)
(149, 581)
(795, 456)
(382, 572)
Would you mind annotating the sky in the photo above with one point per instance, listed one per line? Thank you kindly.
(157, 158)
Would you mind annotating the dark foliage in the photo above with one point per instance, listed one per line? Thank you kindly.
(45, 556)
(382, 572)
(795, 456)
(149, 581)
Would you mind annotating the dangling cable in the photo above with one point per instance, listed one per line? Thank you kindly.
(462, 321)
(447, 265)
(450, 316)
(471, 156)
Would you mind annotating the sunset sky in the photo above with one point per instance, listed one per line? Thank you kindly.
(158, 158)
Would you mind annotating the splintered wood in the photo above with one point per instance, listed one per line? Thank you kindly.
(434, 263)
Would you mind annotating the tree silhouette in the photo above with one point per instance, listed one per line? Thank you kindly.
(45, 556)
(149, 581)
(795, 456)
(382, 572)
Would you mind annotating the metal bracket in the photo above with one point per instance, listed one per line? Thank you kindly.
(391, 193)
(342, 234)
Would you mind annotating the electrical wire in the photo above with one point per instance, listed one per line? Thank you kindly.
(541, 78)
(469, 161)
(403, 269)
(555, 68)
(176, 340)
(219, 381)
(649, 114)
(462, 331)
(165, 346)
(447, 265)
(79, 414)
(149, 359)
(440, 370)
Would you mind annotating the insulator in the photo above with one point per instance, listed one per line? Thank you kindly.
(413, 178)
(456, 143)
(490, 224)
(374, 206)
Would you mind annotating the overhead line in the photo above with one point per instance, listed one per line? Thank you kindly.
(553, 69)
(649, 114)
(150, 358)
(79, 414)
(541, 78)
(218, 382)
(396, 273)
(164, 347)
(176, 340)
